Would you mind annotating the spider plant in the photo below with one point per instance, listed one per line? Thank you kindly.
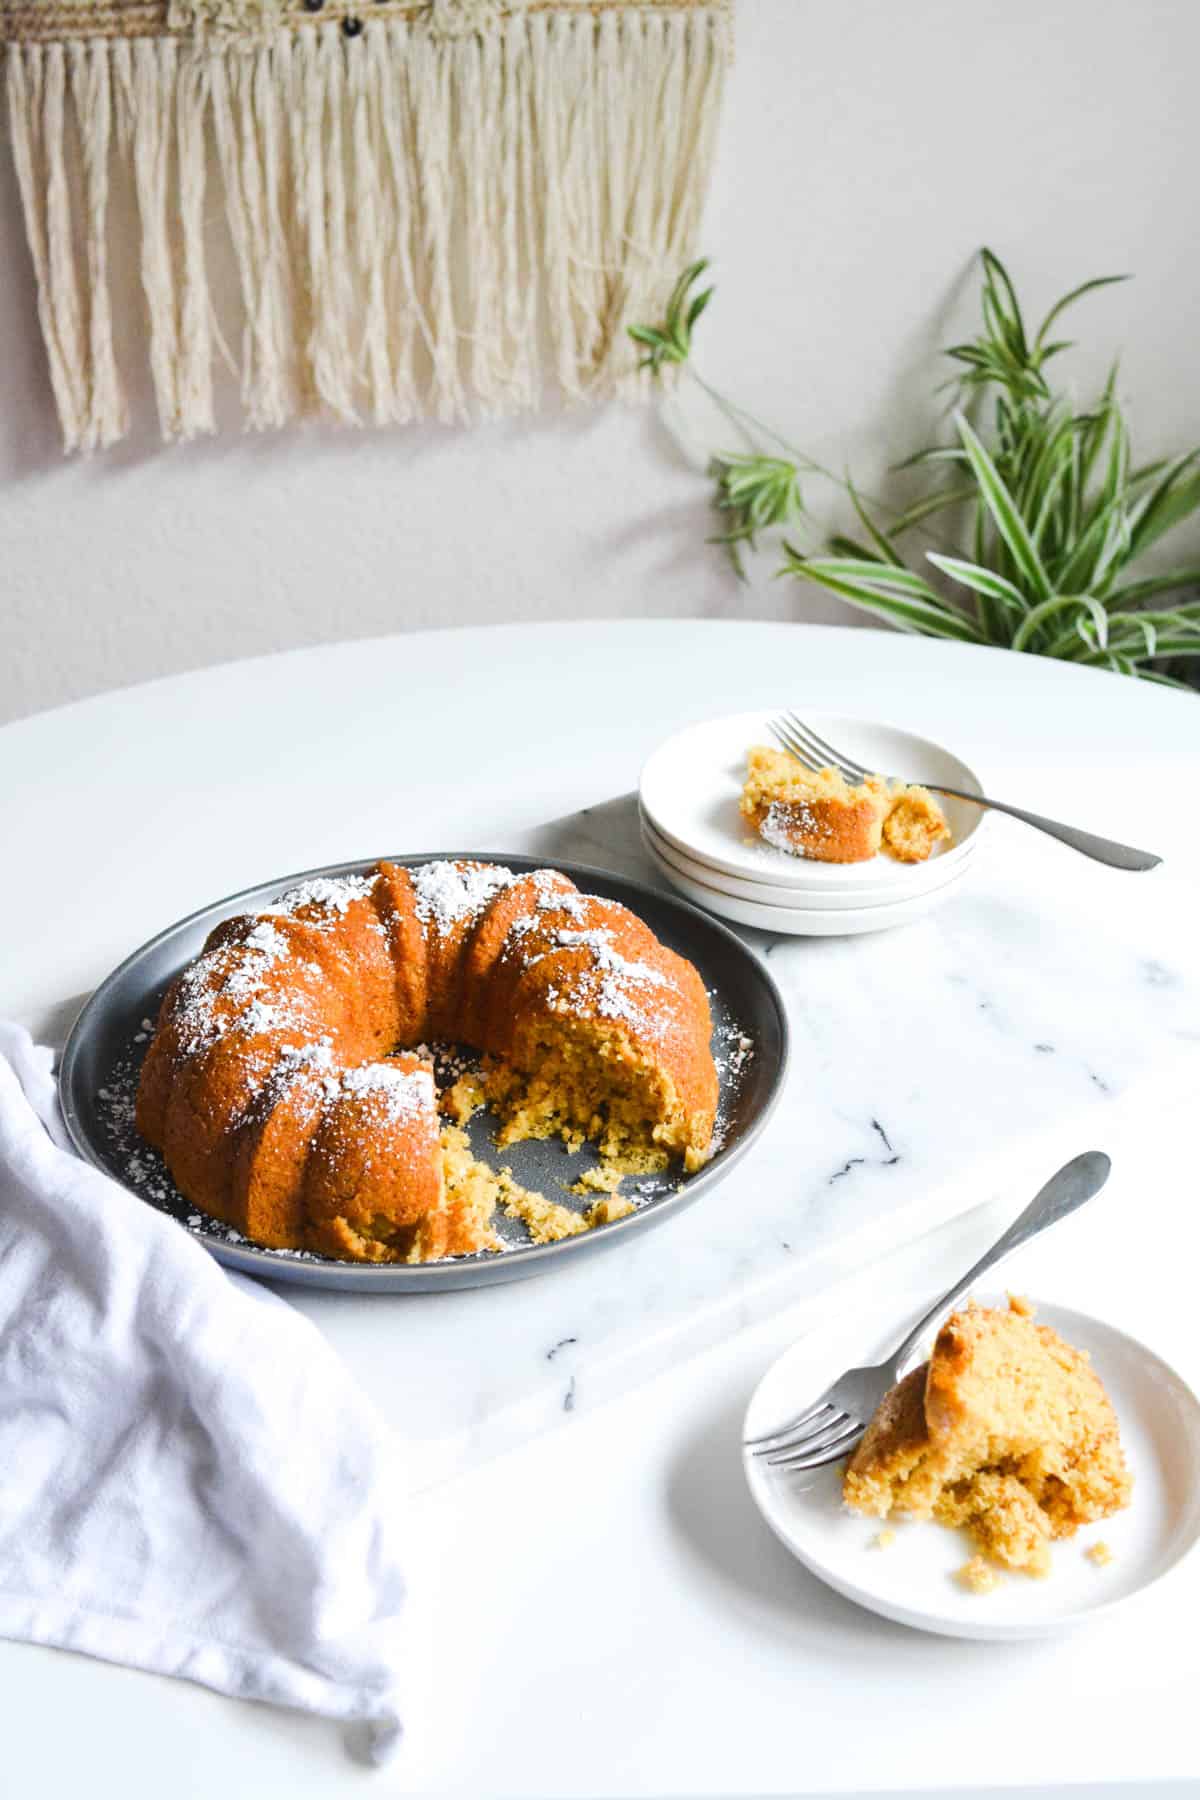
(1049, 513)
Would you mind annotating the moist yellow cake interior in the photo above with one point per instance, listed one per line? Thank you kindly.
(914, 825)
(774, 777)
(474, 1191)
(1006, 1431)
(544, 1105)
(580, 1081)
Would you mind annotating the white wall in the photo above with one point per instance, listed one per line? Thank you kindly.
(868, 148)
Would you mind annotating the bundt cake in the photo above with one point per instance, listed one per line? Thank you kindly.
(1007, 1430)
(819, 815)
(288, 1090)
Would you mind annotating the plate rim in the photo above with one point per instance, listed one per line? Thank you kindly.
(844, 902)
(448, 1273)
(843, 921)
(944, 1625)
(799, 869)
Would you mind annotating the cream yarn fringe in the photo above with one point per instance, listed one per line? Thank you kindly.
(423, 223)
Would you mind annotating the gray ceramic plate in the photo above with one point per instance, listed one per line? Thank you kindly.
(100, 1065)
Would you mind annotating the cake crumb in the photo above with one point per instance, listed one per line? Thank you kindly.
(883, 1540)
(1021, 1306)
(978, 1576)
(1099, 1553)
(464, 1099)
(605, 1178)
(606, 1211)
(547, 1222)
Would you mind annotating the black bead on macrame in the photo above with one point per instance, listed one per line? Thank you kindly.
(352, 27)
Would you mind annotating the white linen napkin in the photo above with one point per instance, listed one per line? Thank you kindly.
(190, 1482)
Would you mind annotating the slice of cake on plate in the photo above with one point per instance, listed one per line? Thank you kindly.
(1007, 1430)
(820, 815)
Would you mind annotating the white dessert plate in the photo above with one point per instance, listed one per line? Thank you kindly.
(691, 785)
(819, 899)
(913, 1579)
(801, 921)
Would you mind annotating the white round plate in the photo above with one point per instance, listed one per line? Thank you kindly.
(767, 894)
(912, 1580)
(691, 786)
(800, 921)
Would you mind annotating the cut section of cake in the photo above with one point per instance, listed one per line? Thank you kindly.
(1007, 1430)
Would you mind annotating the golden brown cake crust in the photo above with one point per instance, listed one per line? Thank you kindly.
(277, 1088)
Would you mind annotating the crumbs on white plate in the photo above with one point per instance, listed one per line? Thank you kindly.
(883, 1540)
(1100, 1553)
(979, 1576)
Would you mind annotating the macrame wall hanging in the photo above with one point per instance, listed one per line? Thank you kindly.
(435, 208)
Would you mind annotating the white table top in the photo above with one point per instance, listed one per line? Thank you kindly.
(626, 1625)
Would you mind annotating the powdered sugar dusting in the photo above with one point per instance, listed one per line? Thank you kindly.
(733, 1051)
(610, 985)
(400, 1094)
(219, 987)
(783, 821)
(550, 894)
(308, 1068)
(448, 892)
(333, 894)
(267, 940)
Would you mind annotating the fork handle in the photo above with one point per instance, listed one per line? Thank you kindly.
(1100, 849)
(1075, 1183)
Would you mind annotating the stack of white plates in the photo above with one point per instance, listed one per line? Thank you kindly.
(698, 839)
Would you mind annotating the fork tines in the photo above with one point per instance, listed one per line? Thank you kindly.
(809, 748)
(829, 1437)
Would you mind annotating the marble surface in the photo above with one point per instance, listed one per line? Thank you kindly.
(934, 1069)
(950, 1064)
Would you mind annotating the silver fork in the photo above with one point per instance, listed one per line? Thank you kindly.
(802, 742)
(829, 1428)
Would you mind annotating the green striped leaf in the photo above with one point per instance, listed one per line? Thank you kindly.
(932, 503)
(877, 537)
(982, 581)
(1149, 585)
(1174, 499)
(926, 614)
(1009, 523)
(1039, 616)
(1060, 306)
(885, 576)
